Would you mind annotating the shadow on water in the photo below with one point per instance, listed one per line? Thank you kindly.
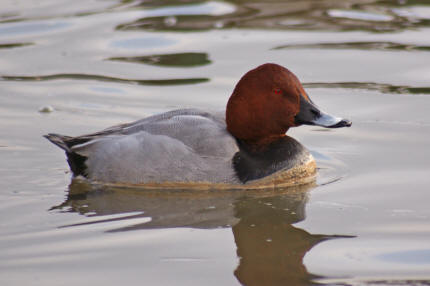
(270, 248)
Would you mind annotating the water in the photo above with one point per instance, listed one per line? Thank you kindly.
(79, 66)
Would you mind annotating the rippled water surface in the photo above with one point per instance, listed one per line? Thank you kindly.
(74, 67)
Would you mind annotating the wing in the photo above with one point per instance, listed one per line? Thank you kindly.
(181, 145)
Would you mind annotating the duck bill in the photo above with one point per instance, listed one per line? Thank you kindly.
(310, 114)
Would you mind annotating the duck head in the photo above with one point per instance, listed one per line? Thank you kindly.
(267, 101)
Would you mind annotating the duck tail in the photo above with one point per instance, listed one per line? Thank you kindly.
(76, 161)
(59, 140)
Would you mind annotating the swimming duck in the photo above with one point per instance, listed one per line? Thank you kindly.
(246, 147)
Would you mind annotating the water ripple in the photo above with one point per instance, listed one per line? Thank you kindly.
(381, 87)
(14, 45)
(169, 60)
(392, 46)
(374, 16)
(161, 82)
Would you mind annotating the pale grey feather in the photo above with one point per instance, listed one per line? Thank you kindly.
(185, 145)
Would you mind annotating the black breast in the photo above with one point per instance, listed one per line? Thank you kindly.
(282, 154)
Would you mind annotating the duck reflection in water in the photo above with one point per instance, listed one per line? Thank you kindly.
(270, 248)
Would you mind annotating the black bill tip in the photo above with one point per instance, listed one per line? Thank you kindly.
(342, 123)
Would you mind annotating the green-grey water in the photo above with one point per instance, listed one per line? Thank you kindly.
(75, 67)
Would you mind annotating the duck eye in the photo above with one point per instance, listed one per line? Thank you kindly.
(277, 91)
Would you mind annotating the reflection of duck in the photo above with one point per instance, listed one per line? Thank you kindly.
(193, 146)
(271, 250)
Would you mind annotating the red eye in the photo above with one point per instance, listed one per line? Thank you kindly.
(277, 91)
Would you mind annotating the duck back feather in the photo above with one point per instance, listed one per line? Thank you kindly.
(184, 145)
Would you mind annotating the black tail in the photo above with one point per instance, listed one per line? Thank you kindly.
(76, 161)
(59, 140)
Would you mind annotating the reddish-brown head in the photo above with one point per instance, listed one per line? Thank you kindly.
(267, 101)
(264, 104)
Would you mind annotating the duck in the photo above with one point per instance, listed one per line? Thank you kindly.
(245, 147)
